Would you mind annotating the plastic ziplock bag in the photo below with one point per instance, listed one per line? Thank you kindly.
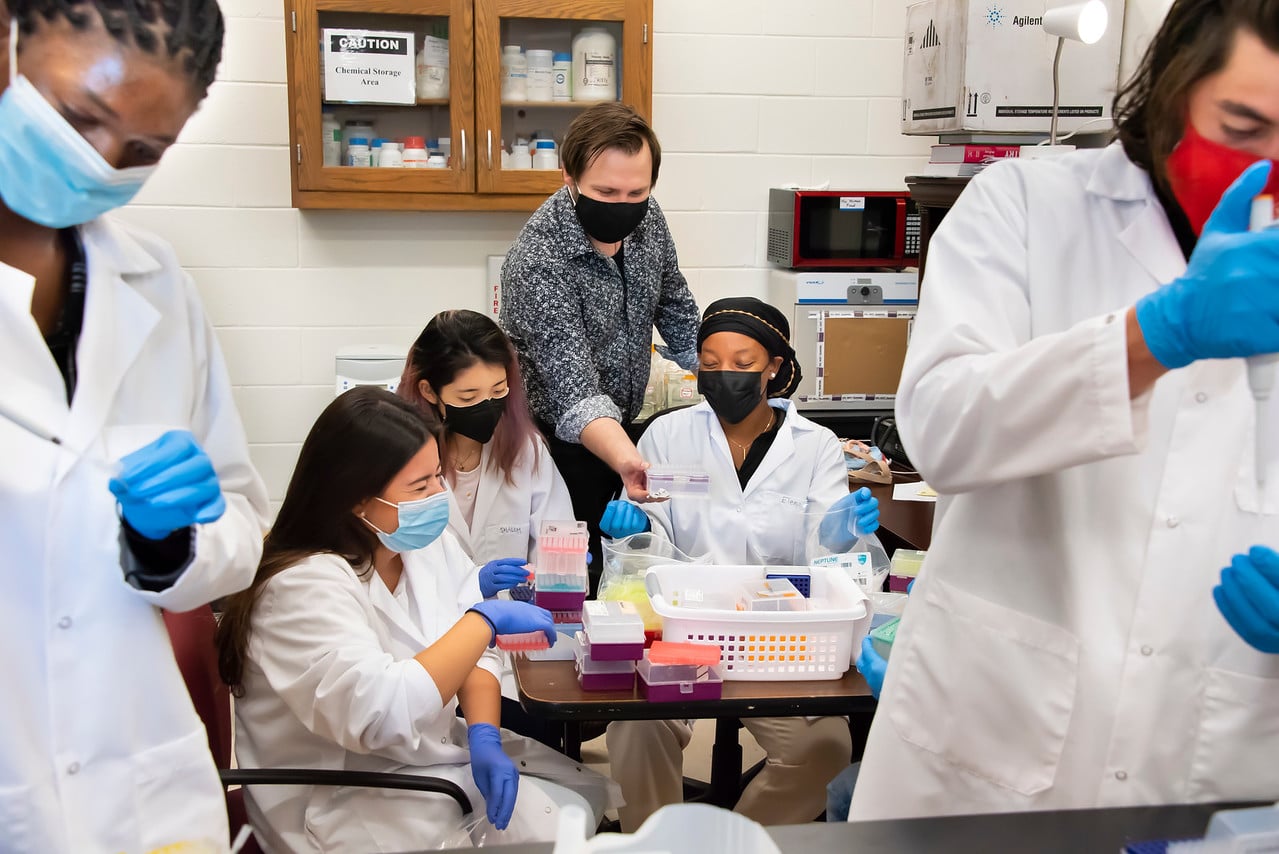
(626, 560)
(674, 829)
(534, 820)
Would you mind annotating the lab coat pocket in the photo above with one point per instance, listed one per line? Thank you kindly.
(775, 528)
(987, 666)
(1237, 740)
(507, 540)
(20, 822)
(179, 796)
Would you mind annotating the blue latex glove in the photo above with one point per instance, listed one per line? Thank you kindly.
(1226, 304)
(167, 485)
(494, 773)
(622, 518)
(872, 666)
(502, 574)
(852, 516)
(1248, 597)
(508, 617)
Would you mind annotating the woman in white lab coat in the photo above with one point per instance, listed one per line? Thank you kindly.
(1073, 389)
(770, 469)
(463, 372)
(151, 502)
(362, 633)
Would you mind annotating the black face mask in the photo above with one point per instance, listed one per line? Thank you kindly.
(609, 222)
(732, 394)
(477, 421)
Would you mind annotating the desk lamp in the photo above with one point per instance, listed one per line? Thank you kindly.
(1082, 22)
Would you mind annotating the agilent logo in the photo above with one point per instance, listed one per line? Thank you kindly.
(930, 37)
(1024, 21)
(994, 15)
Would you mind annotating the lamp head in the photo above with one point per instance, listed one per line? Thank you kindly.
(1083, 22)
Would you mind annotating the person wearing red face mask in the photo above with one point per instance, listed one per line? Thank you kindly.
(1076, 390)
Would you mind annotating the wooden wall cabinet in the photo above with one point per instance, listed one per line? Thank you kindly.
(473, 117)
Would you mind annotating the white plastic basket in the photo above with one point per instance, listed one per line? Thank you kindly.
(769, 646)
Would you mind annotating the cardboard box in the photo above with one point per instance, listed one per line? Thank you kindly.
(985, 66)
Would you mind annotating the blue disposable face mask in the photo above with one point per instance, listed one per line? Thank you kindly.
(49, 173)
(421, 523)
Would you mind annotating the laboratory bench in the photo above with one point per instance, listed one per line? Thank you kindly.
(1105, 831)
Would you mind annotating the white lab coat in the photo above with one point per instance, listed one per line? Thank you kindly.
(100, 748)
(768, 522)
(331, 682)
(509, 515)
(1062, 648)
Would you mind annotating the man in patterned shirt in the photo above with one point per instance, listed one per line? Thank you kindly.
(590, 275)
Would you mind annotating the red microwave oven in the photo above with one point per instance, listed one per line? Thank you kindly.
(842, 229)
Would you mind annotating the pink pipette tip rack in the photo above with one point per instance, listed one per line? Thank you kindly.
(523, 642)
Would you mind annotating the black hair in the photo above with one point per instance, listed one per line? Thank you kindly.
(189, 30)
(1194, 41)
(356, 447)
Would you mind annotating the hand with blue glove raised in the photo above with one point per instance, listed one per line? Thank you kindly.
(508, 617)
(1248, 597)
(494, 773)
(872, 666)
(167, 485)
(502, 574)
(1225, 305)
(622, 518)
(855, 515)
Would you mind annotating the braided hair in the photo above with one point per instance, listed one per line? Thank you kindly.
(188, 30)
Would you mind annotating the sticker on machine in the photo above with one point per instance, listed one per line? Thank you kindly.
(852, 203)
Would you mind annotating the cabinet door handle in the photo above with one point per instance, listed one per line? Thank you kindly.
(490, 136)
(463, 149)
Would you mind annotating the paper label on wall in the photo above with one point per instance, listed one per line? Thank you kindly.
(369, 67)
(852, 203)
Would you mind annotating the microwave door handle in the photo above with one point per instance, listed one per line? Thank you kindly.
(899, 234)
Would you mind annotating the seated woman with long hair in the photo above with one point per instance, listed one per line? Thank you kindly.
(363, 631)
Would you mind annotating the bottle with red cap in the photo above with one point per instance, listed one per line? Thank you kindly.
(415, 152)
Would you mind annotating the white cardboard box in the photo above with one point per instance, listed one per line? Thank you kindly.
(985, 66)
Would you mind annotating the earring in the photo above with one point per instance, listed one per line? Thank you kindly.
(772, 376)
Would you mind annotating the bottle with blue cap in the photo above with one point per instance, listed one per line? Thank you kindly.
(545, 156)
(562, 77)
(357, 152)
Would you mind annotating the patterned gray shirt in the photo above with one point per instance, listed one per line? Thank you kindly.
(583, 327)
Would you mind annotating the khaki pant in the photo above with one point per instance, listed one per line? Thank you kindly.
(647, 759)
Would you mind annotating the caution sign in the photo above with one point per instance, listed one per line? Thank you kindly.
(369, 67)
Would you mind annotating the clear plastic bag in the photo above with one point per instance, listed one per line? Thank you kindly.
(671, 830)
(866, 561)
(625, 562)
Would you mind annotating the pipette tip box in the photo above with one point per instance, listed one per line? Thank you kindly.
(803, 583)
(560, 600)
(523, 642)
(671, 683)
(615, 630)
(596, 674)
(883, 636)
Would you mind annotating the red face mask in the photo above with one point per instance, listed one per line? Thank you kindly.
(1200, 171)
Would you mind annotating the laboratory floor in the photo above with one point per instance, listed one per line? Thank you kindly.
(697, 756)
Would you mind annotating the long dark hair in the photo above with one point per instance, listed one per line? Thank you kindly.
(356, 447)
(454, 341)
(1194, 41)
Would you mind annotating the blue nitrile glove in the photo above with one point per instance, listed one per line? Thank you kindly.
(1248, 597)
(622, 518)
(1226, 304)
(872, 666)
(167, 485)
(502, 574)
(508, 617)
(494, 773)
(852, 516)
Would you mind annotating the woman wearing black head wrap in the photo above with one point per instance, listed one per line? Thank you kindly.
(770, 471)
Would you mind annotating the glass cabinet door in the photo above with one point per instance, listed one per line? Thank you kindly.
(395, 74)
(537, 66)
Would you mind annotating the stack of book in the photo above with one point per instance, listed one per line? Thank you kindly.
(963, 160)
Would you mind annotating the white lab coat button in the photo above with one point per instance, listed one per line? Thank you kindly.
(1173, 521)
(73, 768)
(64, 623)
(1110, 318)
(444, 740)
(1201, 397)
(1121, 775)
(739, 509)
(1145, 650)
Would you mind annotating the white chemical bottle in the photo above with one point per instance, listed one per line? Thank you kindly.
(545, 156)
(514, 74)
(331, 134)
(433, 68)
(594, 65)
(541, 75)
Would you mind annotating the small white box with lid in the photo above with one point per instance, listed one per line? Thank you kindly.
(985, 66)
